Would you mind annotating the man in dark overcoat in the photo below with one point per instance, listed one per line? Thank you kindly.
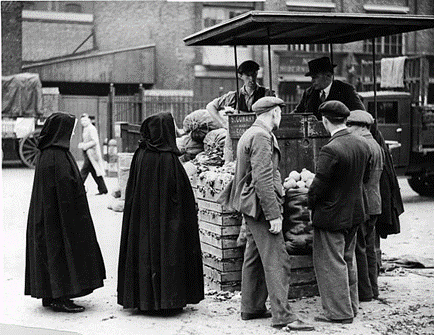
(326, 88)
(336, 200)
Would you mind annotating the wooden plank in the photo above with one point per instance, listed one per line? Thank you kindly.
(219, 229)
(234, 286)
(234, 264)
(301, 291)
(206, 193)
(222, 253)
(301, 261)
(302, 276)
(221, 276)
(222, 242)
(213, 206)
(229, 219)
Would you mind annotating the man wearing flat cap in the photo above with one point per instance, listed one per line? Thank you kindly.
(256, 191)
(358, 123)
(336, 200)
(249, 93)
(325, 88)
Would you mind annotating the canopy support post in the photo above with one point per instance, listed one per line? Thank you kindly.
(236, 76)
(331, 53)
(374, 73)
(269, 62)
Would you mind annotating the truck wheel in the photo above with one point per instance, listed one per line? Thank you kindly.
(422, 184)
(28, 149)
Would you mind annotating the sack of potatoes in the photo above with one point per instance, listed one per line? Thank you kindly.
(296, 179)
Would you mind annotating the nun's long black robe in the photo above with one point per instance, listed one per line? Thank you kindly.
(160, 261)
(63, 258)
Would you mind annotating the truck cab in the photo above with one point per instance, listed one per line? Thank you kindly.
(409, 131)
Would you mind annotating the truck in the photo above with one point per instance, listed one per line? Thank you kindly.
(22, 118)
(405, 117)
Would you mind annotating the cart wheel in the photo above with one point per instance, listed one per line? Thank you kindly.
(28, 149)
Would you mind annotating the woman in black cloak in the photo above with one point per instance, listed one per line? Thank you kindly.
(160, 260)
(63, 258)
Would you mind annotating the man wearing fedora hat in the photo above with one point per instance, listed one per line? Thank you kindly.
(338, 208)
(325, 88)
(249, 93)
(256, 191)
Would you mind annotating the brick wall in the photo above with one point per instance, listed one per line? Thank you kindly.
(44, 39)
(133, 23)
(11, 37)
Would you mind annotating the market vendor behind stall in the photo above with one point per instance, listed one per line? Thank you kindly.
(232, 102)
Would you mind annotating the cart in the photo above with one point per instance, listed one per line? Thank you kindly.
(22, 119)
(283, 28)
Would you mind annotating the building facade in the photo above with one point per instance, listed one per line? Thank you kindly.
(73, 45)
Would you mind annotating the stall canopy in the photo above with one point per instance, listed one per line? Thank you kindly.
(262, 28)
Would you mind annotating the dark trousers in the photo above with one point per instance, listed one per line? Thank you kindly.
(336, 272)
(88, 167)
(266, 271)
(367, 260)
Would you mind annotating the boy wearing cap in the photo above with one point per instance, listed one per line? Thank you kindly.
(249, 93)
(256, 191)
(325, 88)
(336, 200)
(358, 123)
(93, 161)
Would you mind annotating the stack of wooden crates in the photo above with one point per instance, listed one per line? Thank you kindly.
(219, 228)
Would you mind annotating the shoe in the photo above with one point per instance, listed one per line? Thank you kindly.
(65, 305)
(250, 316)
(298, 325)
(341, 321)
(46, 302)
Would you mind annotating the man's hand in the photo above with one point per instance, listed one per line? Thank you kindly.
(276, 225)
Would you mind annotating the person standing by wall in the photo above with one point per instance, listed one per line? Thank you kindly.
(63, 258)
(93, 161)
(336, 200)
(358, 123)
(160, 261)
(326, 88)
(256, 191)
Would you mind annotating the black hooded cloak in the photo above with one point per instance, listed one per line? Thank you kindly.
(160, 260)
(63, 258)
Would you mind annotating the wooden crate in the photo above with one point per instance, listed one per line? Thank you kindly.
(302, 278)
(222, 280)
(224, 265)
(212, 205)
(222, 219)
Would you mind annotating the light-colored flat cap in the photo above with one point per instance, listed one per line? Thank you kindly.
(360, 116)
(266, 104)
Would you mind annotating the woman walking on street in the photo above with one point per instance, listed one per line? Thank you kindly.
(160, 260)
(63, 258)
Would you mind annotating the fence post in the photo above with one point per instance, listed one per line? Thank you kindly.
(142, 100)
(110, 111)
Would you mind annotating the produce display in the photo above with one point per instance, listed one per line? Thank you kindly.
(298, 180)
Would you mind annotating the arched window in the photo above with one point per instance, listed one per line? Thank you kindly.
(73, 8)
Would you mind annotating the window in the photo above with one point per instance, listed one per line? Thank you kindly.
(29, 5)
(386, 45)
(387, 111)
(73, 8)
(214, 15)
(309, 47)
